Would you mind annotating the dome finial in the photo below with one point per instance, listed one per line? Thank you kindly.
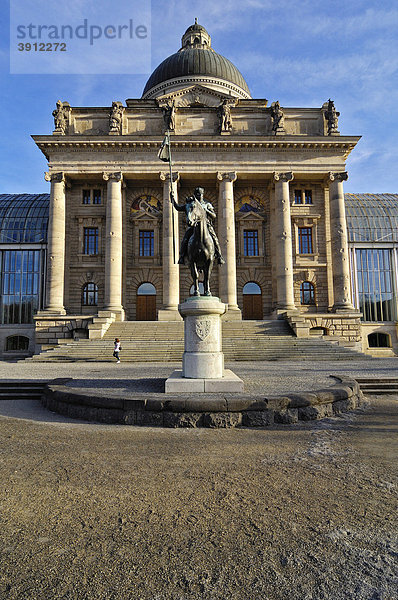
(196, 20)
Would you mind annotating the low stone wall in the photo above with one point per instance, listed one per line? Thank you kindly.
(50, 331)
(344, 328)
(197, 411)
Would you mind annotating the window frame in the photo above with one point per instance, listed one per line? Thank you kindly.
(87, 237)
(86, 294)
(305, 241)
(250, 240)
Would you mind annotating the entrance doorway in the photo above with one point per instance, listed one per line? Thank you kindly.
(146, 302)
(252, 301)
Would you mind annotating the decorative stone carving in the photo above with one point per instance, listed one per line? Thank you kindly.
(332, 117)
(224, 115)
(116, 118)
(340, 177)
(277, 118)
(202, 328)
(56, 177)
(61, 117)
(284, 177)
(116, 176)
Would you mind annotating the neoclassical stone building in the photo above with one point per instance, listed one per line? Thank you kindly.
(275, 176)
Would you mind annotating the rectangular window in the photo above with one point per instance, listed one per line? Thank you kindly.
(96, 196)
(250, 242)
(298, 199)
(86, 196)
(377, 300)
(90, 245)
(20, 285)
(305, 240)
(147, 243)
(308, 196)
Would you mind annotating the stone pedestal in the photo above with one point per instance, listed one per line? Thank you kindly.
(203, 359)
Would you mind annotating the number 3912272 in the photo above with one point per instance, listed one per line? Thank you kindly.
(42, 47)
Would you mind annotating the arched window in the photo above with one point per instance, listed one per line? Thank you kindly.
(307, 293)
(251, 288)
(90, 294)
(146, 289)
(378, 339)
(17, 343)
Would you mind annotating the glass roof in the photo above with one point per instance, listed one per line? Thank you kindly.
(372, 217)
(23, 218)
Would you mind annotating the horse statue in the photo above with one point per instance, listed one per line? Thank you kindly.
(200, 246)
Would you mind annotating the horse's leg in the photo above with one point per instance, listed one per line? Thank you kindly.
(207, 273)
(195, 278)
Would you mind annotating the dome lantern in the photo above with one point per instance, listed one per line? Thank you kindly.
(196, 63)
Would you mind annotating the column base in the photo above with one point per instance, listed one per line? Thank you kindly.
(169, 314)
(48, 312)
(338, 309)
(117, 310)
(232, 314)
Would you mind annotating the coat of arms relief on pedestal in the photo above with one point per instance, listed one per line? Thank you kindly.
(203, 328)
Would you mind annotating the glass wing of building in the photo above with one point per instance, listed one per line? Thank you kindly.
(23, 239)
(372, 228)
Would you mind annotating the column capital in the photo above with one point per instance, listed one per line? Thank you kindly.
(231, 176)
(57, 177)
(165, 176)
(338, 176)
(115, 176)
(285, 177)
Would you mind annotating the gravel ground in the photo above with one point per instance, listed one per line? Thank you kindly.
(97, 512)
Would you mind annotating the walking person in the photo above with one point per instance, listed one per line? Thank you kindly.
(116, 349)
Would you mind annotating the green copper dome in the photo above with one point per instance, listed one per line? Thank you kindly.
(197, 59)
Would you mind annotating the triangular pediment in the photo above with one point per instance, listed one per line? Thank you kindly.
(250, 216)
(142, 215)
(195, 95)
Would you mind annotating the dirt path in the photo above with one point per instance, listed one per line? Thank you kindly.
(94, 512)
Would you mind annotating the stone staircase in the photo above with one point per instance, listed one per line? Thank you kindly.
(378, 385)
(156, 341)
(12, 389)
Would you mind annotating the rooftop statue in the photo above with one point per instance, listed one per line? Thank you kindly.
(278, 118)
(115, 117)
(169, 115)
(224, 114)
(332, 117)
(60, 115)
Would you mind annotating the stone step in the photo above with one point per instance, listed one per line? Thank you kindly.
(21, 390)
(156, 341)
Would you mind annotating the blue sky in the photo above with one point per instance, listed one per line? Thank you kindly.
(298, 52)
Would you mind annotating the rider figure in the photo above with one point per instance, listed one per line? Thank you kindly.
(210, 214)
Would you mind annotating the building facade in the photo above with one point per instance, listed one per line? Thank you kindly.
(274, 175)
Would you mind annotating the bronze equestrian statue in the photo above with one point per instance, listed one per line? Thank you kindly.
(200, 243)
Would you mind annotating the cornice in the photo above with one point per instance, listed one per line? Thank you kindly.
(54, 143)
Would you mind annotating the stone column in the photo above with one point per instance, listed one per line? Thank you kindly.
(226, 236)
(54, 303)
(171, 270)
(338, 229)
(114, 245)
(283, 243)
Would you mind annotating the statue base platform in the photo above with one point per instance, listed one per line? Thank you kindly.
(203, 359)
(229, 382)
